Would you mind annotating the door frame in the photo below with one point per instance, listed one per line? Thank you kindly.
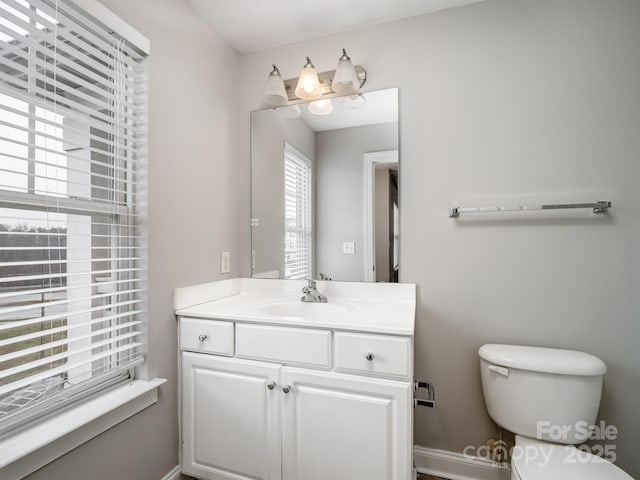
(371, 161)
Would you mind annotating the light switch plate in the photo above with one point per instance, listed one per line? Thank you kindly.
(225, 262)
(348, 248)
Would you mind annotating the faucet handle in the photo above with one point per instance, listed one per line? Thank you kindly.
(311, 283)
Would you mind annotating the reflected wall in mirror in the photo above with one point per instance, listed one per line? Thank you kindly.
(324, 189)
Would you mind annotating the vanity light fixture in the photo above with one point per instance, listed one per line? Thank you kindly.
(346, 79)
(321, 107)
(275, 94)
(311, 85)
(308, 87)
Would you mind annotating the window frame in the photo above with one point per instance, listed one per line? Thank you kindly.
(21, 450)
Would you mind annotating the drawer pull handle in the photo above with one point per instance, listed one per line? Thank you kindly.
(271, 385)
(202, 337)
(370, 356)
(286, 388)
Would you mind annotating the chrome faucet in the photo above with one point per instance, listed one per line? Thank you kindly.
(311, 294)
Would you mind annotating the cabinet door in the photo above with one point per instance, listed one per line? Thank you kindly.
(344, 427)
(230, 418)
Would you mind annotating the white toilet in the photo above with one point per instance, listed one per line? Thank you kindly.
(548, 398)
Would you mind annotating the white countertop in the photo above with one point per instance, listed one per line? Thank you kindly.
(353, 306)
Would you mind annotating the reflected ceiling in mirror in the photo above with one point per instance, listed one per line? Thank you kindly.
(324, 189)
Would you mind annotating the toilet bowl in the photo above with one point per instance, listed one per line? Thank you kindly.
(548, 398)
(536, 460)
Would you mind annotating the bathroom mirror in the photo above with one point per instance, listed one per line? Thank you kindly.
(324, 189)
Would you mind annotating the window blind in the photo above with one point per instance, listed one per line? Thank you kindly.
(72, 185)
(298, 235)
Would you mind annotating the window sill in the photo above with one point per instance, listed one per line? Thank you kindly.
(36, 445)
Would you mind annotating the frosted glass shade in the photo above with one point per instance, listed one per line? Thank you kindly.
(353, 102)
(346, 79)
(308, 87)
(275, 94)
(290, 112)
(321, 107)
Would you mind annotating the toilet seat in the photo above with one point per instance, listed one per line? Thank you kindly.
(536, 460)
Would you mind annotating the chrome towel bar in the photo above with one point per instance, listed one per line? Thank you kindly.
(598, 207)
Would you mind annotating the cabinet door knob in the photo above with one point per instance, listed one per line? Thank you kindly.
(370, 356)
(286, 388)
(271, 385)
(202, 337)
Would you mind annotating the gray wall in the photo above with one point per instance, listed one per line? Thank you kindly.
(501, 101)
(193, 216)
(339, 195)
(269, 132)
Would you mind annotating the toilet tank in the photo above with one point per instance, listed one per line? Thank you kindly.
(542, 393)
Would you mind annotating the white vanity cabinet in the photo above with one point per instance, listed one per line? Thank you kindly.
(294, 403)
(343, 427)
(231, 418)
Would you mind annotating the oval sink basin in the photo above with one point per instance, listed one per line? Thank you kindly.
(302, 309)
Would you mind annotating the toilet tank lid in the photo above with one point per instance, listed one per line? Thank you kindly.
(540, 359)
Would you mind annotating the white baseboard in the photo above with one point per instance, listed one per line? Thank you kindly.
(439, 463)
(174, 474)
(455, 466)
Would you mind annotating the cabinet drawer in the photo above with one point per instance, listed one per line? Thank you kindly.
(376, 354)
(207, 336)
(294, 346)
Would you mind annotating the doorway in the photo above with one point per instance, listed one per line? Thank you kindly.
(381, 222)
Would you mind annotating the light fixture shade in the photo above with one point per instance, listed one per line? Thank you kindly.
(321, 107)
(308, 87)
(346, 79)
(289, 112)
(275, 94)
(353, 102)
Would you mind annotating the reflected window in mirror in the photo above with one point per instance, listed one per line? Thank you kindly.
(298, 232)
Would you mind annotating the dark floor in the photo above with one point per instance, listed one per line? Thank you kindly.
(420, 477)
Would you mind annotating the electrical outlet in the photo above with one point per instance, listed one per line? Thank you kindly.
(225, 262)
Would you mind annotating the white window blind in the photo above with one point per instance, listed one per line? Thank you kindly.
(298, 235)
(72, 185)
